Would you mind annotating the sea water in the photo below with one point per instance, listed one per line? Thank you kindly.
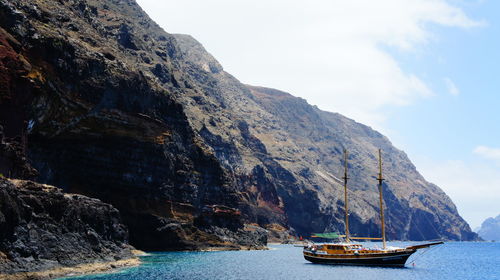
(453, 260)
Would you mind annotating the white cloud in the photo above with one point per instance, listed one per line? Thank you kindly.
(488, 153)
(327, 51)
(452, 88)
(473, 186)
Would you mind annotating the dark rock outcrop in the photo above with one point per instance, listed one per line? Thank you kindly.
(16, 91)
(42, 228)
(109, 105)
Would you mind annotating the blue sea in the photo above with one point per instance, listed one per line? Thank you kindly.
(453, 260)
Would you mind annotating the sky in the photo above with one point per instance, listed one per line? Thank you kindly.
(423, 72)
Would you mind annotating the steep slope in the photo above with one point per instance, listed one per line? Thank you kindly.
(103, 102)
(42, 228)
(490, 229)
(95, 113)
(294, 150)
(416, 209)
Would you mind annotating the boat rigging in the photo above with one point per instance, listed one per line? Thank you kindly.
(356, 254)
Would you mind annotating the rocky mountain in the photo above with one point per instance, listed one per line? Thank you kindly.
(89, 99)
(295, 151)
(97, 99)
(42, 228)
(490, 229)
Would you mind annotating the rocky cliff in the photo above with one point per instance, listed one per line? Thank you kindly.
(90, 99)
(312, 149)
(101, 101)
(41, 228)
(291, 153)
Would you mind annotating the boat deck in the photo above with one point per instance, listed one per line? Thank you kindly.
(396, 257)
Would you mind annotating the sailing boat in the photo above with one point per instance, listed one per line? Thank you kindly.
(349, 253)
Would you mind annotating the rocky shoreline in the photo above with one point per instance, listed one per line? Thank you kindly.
(43, 229)
(77, 270)
(46, 233)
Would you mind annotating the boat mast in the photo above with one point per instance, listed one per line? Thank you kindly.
(346, 206)
(380, 179)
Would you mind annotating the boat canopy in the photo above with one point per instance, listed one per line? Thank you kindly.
(327, 235)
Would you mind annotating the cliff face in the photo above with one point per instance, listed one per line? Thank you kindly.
(96, 114)
(415, 209)
(107, 104)
(297, 149)
(42, 228)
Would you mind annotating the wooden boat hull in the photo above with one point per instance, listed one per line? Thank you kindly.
(396, 259)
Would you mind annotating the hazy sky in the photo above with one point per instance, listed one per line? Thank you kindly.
(423, 72)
